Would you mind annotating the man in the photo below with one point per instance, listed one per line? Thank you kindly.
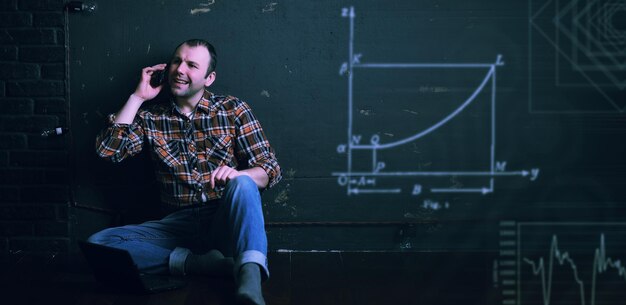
(212, 158)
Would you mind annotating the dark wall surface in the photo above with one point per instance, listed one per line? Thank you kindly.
(402, 125)
(34, 170)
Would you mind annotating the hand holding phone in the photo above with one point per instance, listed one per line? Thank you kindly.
(151, 83)
(158, 77)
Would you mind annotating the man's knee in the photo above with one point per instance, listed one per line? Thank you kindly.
(242, 192)
(102, 237)
(242, 183)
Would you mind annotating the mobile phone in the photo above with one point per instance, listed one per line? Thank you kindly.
(158, 77)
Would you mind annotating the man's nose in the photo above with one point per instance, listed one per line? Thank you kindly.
(180, 69)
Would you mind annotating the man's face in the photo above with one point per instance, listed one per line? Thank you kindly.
(187, 71)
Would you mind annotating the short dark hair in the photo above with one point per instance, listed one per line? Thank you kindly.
(201, 42)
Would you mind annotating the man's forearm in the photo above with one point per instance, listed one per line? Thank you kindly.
(258, 175)
(126, 115)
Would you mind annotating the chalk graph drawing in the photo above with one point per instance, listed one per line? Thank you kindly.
(547, 263)
(577, 56)
(374, 165)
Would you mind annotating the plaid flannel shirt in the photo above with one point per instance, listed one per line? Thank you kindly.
(223, 131)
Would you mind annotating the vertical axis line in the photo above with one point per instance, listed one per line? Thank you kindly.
(350, 73)
(530, 60)
(519, 277)
(493, 121)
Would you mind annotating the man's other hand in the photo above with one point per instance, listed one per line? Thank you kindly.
(222, 175)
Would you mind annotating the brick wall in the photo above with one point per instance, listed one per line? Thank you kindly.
(34, 171)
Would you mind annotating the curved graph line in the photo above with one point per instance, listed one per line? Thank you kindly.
(434, 127)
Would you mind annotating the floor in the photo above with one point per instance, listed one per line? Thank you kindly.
(296, 278)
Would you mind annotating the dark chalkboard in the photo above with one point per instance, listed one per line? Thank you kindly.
(449, 126)
(403, 125)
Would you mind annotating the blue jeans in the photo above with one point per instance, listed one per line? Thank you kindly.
(233, 225)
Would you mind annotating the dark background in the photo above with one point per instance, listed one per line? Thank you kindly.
(284, 60)
(553, 113)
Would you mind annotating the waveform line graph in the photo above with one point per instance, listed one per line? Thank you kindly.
(360, 178)
(601, 263)
(550, 263)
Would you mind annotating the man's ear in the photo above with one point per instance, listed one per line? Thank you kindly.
(210, 79)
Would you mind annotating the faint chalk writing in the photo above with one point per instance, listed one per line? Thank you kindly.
(270, 7)
(290, 174)
(366, 112)
(204, 7)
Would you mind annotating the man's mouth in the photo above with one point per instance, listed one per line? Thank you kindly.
(181, 81)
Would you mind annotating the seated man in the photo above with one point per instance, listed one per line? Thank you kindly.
(211, 158)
